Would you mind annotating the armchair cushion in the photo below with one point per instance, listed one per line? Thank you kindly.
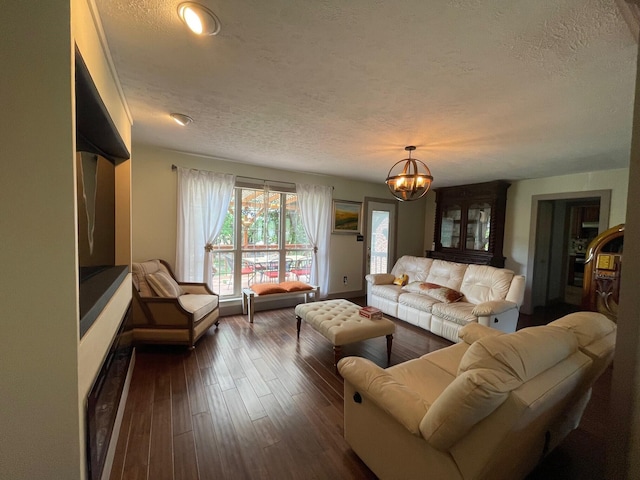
(163, 285)
(198, 305)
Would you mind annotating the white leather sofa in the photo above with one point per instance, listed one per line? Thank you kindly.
(489, 407)
(490, 296)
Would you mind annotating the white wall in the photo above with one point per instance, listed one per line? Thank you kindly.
(154, 210)
(38, 347)
(42, 410)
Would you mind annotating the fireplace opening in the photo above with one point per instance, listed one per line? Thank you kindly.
(104, 397)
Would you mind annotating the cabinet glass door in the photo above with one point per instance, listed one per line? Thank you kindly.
(450, 229)
(478, 227)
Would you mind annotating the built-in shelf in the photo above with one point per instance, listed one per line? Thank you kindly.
(95, 293)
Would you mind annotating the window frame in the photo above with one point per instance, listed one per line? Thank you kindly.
(239, 251)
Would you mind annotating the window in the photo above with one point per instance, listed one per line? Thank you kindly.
(262, 240)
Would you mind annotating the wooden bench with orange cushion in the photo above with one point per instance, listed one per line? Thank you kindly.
(274, 291)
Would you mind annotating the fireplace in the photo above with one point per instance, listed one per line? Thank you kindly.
(104, 398)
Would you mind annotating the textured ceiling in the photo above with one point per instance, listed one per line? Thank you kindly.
(485, 89)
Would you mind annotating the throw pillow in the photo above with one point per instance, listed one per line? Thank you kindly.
(163, 285)
(413, 287)
(401, 280)
(435, 291)
(443, 294)
(295, 286)
(267, 288)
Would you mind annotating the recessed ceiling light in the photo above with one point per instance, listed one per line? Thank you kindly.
(181, 119)
(199, 18)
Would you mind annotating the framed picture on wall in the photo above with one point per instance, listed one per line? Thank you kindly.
(347, 217)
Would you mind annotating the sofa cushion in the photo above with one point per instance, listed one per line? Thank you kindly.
(163, 284)
(447, 274)
(414, 287)
(483, 283)
(588, 327)
(448, 359)
(389, 292)
(459, 312)
(472, 332)
(198, 305)
(470, 398)
(416, 268)
(417, 301)
(518, 353)
(425, 377)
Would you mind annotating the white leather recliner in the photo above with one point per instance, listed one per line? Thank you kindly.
(489, 407)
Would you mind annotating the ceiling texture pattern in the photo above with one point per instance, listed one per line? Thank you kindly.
(486, 89)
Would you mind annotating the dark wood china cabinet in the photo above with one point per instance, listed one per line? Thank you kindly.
(469, 224)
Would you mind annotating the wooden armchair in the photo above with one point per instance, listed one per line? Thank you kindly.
(166, 311)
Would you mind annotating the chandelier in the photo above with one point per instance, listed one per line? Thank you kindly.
(410, 180)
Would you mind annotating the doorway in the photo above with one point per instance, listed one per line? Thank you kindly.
(562, 226)
(380, 235)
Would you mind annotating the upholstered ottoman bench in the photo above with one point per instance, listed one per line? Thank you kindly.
(340, 322)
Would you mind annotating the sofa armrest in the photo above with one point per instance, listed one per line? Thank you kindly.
(380, 278)
(494, 307)
(399, 401)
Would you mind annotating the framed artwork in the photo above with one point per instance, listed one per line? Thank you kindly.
(347, 217)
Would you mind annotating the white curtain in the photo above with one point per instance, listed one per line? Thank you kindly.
(203, 202)
(315, 209)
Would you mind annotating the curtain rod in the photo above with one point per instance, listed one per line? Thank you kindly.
(175, 167)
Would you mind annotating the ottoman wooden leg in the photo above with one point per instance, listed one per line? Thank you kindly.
(298, 320)
(337, 355)
(389, 342)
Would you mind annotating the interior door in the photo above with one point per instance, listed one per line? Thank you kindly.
(380, 236)
(542, 254)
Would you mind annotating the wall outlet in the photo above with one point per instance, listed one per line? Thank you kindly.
(344, 279)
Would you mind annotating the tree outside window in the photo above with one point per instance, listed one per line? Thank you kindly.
(249, 249)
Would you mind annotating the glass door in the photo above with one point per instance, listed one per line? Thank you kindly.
(380, 236)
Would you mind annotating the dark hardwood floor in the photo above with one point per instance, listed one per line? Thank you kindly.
(253, 402)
